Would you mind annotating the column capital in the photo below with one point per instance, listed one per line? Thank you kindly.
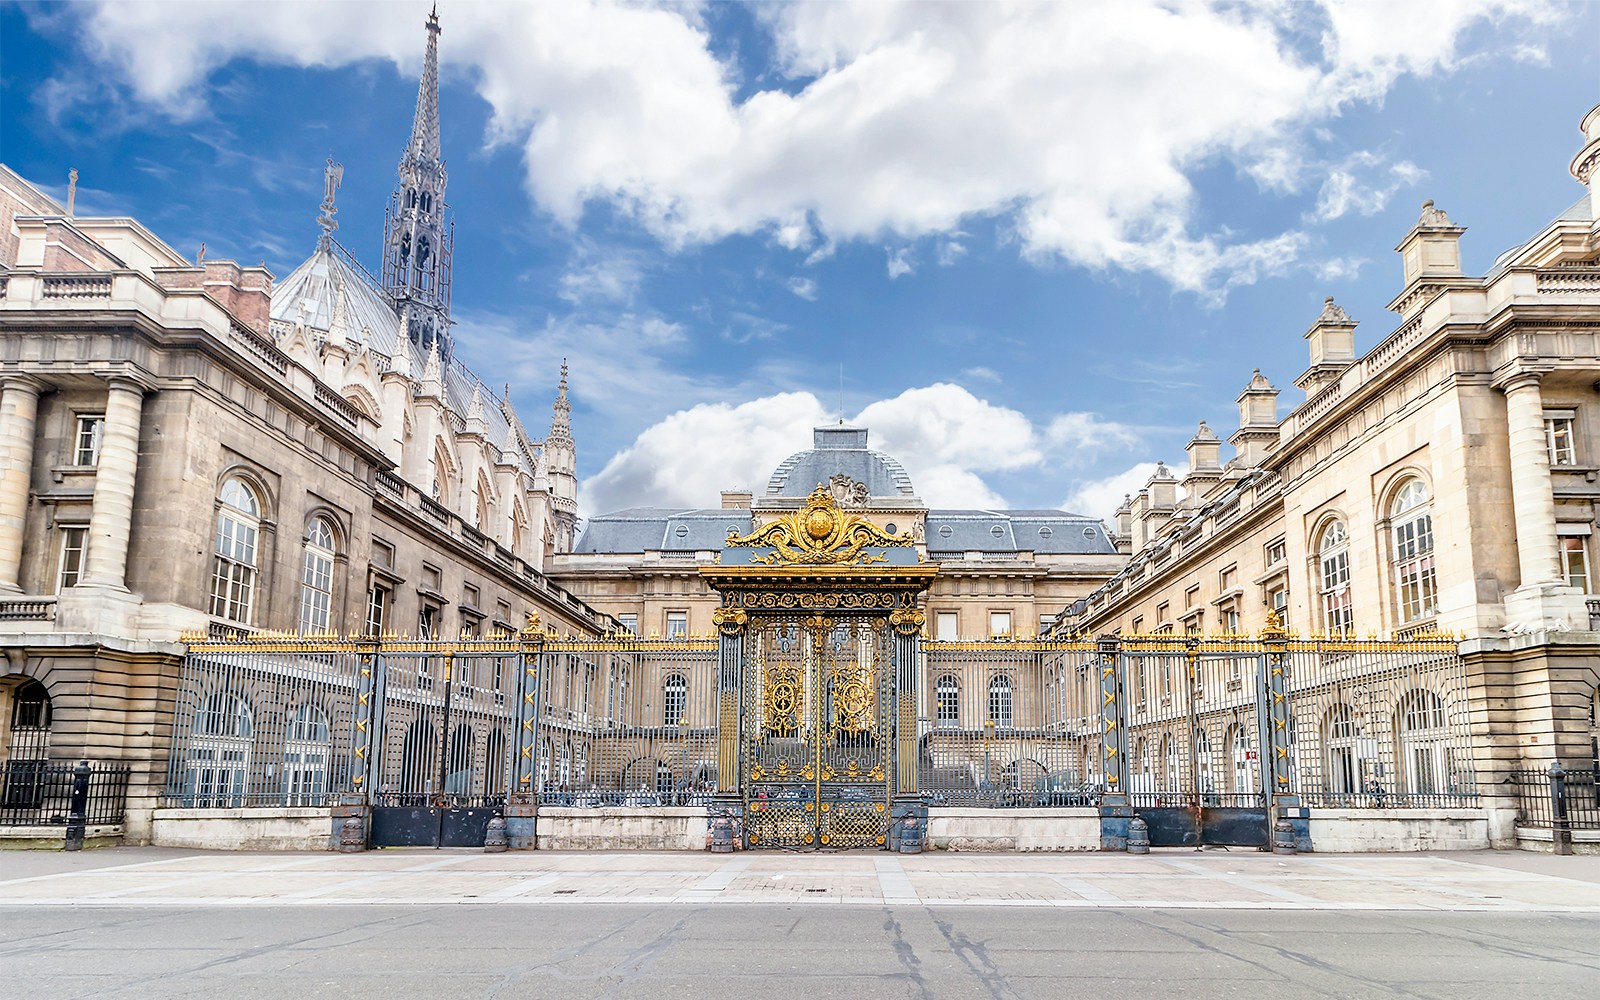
(129, 380)
(1518, 378)
(23, 381)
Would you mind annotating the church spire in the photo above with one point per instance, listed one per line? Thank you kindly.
(417, 238)
(561, 460)
(561, 425)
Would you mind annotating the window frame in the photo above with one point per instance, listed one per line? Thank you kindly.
(94, 424)
(235, 552)
(1333, 578)
(66, 549)
(1412, 551)
(1560, 438)
(319, 556)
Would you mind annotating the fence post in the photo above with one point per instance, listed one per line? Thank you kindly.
(1115, 808)
(522, 804)
(730, 622)
(1560, 824)
(1277, 773)
(77, 815)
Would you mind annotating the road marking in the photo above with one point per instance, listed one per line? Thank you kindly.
(371, 878)
(1231, 878)
(1089, 891)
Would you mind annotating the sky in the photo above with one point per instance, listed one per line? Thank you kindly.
(1029, 245)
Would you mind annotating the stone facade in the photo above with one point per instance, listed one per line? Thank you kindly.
(1442, 481)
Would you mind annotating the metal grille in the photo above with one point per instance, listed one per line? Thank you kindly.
(1536, 805)
(1379, 723)
(1010, 723)
(39, 793)
(628, 722)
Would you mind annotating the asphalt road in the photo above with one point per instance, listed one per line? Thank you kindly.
(399, 952)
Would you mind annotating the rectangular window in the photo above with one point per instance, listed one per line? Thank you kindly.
(628, 623)
(677, 624)
(1228, 579)
(1558, 439)
(948, 698)
(999, 623)
(91, 427)
(74, 544)
(1230, 621)
(1575, 561)
(428, 622)
(1191, 597)
(1046, 622)
(377, 609)
(1276, 551)
(948, 626)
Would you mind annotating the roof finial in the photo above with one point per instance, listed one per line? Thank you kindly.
(332, 176)
(72, 190)
(561, 425)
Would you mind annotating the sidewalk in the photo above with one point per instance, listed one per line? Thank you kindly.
(1481, 881)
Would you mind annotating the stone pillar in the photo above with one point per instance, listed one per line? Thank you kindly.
(1277, 761)
(522, 802)
(1542, 600)
(106, 564)
(19, 413)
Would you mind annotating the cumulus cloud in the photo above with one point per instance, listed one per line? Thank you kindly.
(900, 263)
(1079, 124)
(1346, 189)
(948, 439)
(1101, 497)
(805, 288)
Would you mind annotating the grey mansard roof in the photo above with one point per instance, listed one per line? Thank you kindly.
(950, 533)
(662, 529)
(839, 451)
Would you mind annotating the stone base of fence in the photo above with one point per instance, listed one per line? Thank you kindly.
(953, 828)
(51, 838)
(622, 828)
(1376, 831)
(1540, 841)
(264, 829)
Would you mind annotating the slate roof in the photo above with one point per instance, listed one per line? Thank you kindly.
(1047, 532)
(661, 529)
(839, 451)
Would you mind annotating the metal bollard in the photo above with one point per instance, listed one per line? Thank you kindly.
(1283, 837)
(722, 835)
(352, 835)
(910, 836)
(77, 815)
(1560, 824)
(495, 840)
(1138, 836)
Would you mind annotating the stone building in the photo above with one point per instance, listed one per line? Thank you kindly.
(1442, 480)
(186, 448)
(1001, 573)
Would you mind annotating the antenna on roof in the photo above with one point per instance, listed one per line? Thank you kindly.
(841, 394)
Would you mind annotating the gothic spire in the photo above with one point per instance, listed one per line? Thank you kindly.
(561, 426)
(425, 126)
(417, 235)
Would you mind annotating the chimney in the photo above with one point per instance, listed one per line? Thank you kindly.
(737, 499)
(246, 292)
(1205, 465)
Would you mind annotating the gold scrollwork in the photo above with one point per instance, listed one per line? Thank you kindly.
(730, 621)
(907, 621)
(819, 534)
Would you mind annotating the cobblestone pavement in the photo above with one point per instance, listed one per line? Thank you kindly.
(1486, 881)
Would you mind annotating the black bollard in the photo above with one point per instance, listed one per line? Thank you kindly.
(1138, 836)
(1560, 823)
(494, 838)
(77, 815)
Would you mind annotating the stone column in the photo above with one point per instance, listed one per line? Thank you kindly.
(731, 623)
(1534, 503)
(19, 412)
(111, 520)
(906, 639)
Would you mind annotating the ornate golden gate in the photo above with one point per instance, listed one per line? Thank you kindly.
(817, 732)
(817, 677)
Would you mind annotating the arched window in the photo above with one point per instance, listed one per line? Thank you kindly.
(1341, 773)
(1333, 555)
(1000, 701)
(460, 773)
(316, 577)
(217, 769)
(1421, 725)
(1202, 761)
(233, 573)
(30, 722)
(1236, 745)
(418, 762)
(305, 757)
(675, 703)
(1171, 772)
(1411, 520)
(480, 508)
(947, 698)
(495, 765)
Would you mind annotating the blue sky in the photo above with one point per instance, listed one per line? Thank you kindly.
(1039, 241)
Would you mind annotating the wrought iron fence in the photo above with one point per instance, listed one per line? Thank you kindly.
(39, 793)
(1009, 723)
(1536, 799)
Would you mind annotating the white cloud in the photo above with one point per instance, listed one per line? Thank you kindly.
(805, 288)
(900, 263)
(1079, 123)
(1101, 497)
(597, 275)
(948, 440)
(1088, 432)
(1344, 190)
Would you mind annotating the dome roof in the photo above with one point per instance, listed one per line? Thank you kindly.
(839, 451)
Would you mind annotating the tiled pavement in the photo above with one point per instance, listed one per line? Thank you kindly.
(1165, 879)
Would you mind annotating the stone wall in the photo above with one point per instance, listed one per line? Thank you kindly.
(285, 829)
(1376, 831)
(952, 828)
(622, 828)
